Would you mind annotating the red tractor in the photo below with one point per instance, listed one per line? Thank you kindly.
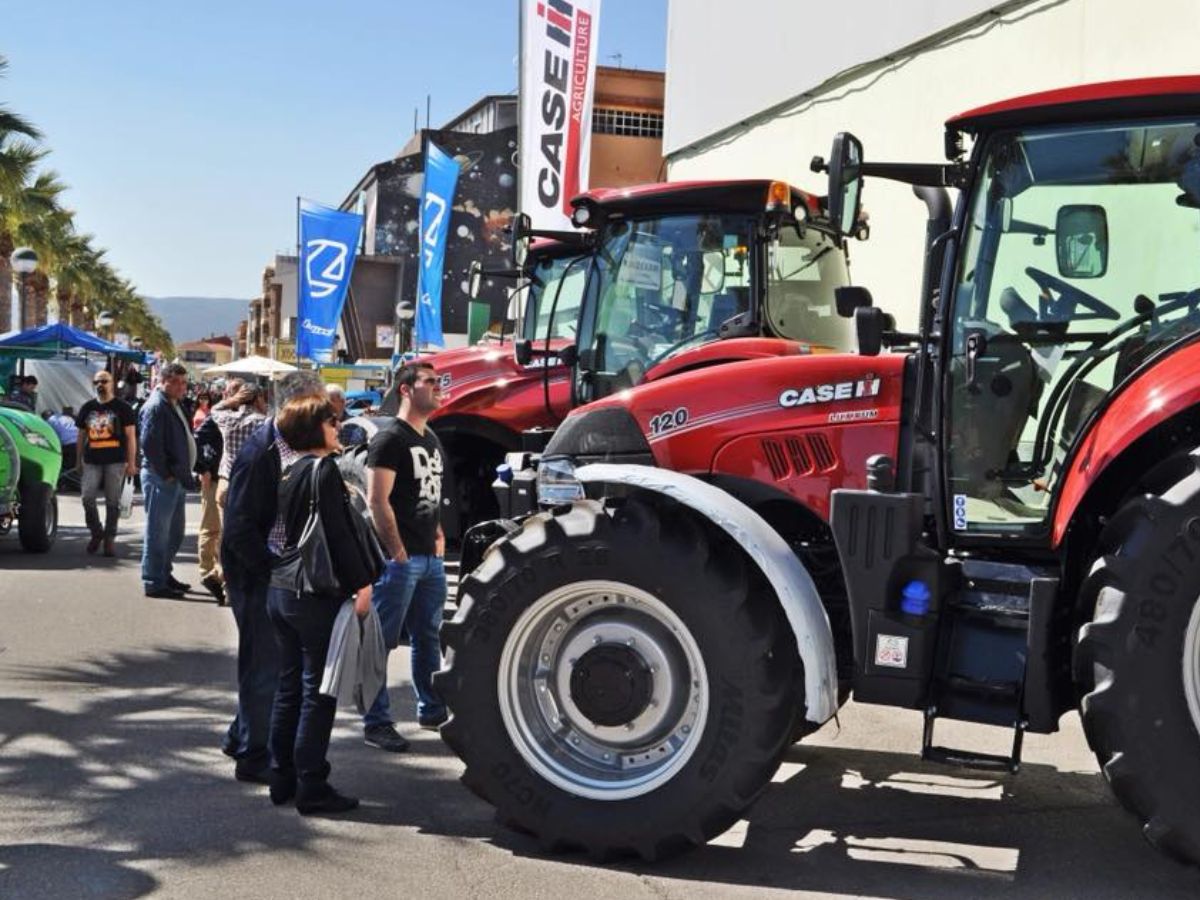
(997, 520)
(678, 277)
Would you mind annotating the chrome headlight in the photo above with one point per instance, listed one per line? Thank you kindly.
(556, 481)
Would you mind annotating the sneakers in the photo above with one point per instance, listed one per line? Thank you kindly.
(94, 544)
(260, 775)
(164, 593)
(325, 800)
(434, 722)
(385, 737)
(213, 585)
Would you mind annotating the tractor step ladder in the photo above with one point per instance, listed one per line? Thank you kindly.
(995, 629)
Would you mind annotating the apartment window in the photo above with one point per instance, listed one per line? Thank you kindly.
(627, 123)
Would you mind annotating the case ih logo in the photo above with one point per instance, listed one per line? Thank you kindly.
(831, 393)
(564, 81)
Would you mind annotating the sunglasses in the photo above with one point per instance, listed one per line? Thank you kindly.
(101, 381)
(433, 379)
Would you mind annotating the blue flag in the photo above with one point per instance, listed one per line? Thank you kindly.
(441, 175)
(328, 244)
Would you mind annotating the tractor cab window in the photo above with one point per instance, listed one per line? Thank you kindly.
(663, 285)
(554, 298)
(802, 274)
(1081, 258)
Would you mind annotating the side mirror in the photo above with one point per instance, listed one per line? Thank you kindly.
(474, 279)
(712, 275)
(850, 298)
(520, 238)
(1081, 241)
(870, 323)
(569, 355)
(523, 351)
(845, 182)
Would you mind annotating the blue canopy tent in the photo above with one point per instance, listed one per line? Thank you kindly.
(46, 340)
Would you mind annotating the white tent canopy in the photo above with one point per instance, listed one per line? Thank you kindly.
(252, 365)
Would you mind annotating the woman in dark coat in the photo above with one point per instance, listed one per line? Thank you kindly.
(302, 718)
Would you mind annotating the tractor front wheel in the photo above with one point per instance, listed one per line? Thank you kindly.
(1141, 654)
(617, 683)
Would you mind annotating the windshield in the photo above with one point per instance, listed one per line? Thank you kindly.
(665, 284)
(555, 294)
(802, 274)
(1080, 259)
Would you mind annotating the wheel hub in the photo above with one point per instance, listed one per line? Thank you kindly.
(611, 685)
(603, 690)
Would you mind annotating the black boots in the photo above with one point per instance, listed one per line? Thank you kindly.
(320, 799)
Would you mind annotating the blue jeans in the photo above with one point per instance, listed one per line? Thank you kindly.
(258, 674)
(302, 718)
(412, 593)
(164, 503)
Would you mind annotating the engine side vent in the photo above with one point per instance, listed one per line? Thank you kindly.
(776, 459)
(822, 453)
(799, 456)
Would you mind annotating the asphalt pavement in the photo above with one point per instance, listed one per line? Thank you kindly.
(112, 784)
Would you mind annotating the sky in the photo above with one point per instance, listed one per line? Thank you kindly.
(186, 130)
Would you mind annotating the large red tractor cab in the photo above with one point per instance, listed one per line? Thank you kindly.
(995, 519)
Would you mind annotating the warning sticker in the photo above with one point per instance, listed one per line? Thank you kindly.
(891, 650)
(960, 512)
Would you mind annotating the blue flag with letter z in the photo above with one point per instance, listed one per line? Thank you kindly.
(441, 176)
(328, 245)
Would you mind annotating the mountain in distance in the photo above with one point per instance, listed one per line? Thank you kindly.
(194, 318)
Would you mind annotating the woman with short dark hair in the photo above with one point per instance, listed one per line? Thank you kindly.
(302, 718)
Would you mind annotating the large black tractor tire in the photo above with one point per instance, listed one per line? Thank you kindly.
(1140, 655)
(37, 525)
(581, 629)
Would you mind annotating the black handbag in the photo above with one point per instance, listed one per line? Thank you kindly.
(312, 570)
(317, 575)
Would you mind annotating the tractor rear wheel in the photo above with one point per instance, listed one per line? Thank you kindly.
(1141, 654)
(37, 524)
(618, 681)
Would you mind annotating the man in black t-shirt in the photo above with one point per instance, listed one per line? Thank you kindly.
(107, 456)
(405, 462)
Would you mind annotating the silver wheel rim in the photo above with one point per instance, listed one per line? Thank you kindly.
(545, 720)
(1191, 665)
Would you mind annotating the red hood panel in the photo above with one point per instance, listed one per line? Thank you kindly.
(802, 424)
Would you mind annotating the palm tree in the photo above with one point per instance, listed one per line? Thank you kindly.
(47, 227)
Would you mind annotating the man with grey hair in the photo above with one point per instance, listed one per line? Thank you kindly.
(337, 399)
(168, 459)
(251, 538)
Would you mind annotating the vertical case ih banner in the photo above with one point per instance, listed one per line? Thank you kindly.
(441, 176)
(328, 244)
(558, 77)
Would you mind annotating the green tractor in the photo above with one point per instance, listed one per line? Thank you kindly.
(30, 460)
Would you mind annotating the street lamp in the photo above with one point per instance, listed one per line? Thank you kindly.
(23, 261)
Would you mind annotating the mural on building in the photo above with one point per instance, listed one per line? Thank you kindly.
(483, 209)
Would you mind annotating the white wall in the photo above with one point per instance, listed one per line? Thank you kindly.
(898, 107)
(728, 60)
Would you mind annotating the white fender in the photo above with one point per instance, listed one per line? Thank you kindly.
(787, 575)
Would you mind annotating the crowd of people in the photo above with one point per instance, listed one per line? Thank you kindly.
(260, 477)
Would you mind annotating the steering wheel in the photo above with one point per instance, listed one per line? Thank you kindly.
(1073, 296)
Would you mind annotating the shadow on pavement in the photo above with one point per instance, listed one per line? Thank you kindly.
(53, 870)
(857, 822)
(126, 750)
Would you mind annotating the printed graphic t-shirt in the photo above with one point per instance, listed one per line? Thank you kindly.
(104, 424)
(416, 496)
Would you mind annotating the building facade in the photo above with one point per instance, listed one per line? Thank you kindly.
(892, 74)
